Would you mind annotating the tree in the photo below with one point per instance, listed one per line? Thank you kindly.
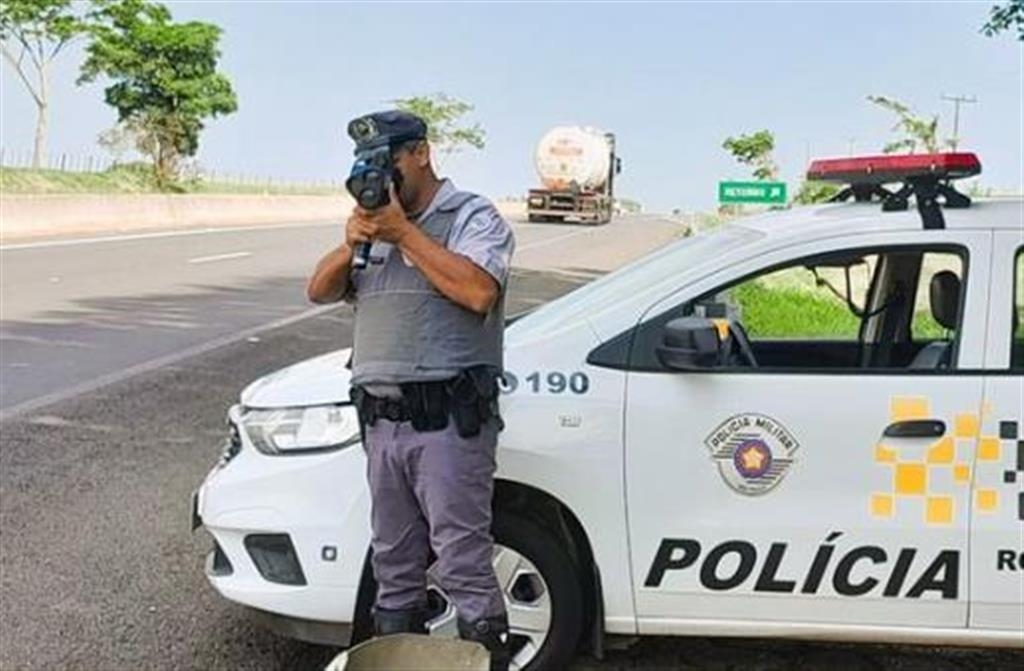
(917, 131)
(165, 79)
(1006, 17)
(442, 114)
(756, 150)
(815, 192)
(32, 34)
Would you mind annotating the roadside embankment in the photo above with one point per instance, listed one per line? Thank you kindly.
(33, 217)
(25, 217)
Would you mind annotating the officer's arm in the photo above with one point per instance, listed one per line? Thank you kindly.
(330, 280)
(455, 276)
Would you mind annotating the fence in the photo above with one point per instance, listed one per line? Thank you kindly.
(91, 163)
(65, 162)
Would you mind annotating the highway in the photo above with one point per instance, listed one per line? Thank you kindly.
(77, 314)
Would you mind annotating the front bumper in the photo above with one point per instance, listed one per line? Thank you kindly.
(320, 504)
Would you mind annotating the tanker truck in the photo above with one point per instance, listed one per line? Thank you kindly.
(577, 166)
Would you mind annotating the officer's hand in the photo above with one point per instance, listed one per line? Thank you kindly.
(390, 220)
(359, 229)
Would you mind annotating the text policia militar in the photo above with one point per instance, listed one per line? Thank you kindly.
(857, 571)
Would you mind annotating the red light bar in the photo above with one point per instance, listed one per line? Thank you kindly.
(894, 168)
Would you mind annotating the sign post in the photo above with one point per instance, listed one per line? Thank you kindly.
(767, 193)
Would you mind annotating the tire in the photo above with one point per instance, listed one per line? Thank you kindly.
(534, 218)
(558, 572)
(556, 567)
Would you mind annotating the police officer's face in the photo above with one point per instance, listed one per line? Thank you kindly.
(413, 162)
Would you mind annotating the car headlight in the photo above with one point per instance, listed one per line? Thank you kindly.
(320, 428)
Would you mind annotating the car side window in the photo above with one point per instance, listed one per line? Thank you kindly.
(1017, 337)
(889, 308)
(804, 302)
(924, 326)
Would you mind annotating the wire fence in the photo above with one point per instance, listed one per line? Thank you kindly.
(94, 163)
(63, 161)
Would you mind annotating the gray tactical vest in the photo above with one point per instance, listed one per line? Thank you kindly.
(406, 330)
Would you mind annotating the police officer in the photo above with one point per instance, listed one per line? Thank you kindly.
(429, 310)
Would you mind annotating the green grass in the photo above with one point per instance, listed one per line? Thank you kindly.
(131, 179)
(790, 312)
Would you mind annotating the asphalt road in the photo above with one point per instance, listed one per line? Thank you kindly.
(97, 568)
(78, 313)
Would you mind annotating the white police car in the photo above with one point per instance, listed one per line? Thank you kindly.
(804, 424)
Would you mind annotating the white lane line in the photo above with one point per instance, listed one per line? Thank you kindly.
(159, 362)
(549, 241)
(162, 234)
(220, 257)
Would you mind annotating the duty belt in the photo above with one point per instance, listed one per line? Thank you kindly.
(471, 399)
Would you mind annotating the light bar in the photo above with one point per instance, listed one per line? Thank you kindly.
(894, 168)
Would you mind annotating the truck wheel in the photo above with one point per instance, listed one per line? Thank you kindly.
(538, 579)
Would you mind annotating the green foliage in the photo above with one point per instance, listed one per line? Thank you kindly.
(442, 114)
(815, 192)
(32, 34)
(165, 79)
(52, 23)
(755, 150)
(1006, 17)
(792, 312)
(917, 132)
(789, 312)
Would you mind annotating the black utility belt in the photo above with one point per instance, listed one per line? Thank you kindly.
(470, 399)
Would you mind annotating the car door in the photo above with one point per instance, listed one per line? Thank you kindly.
(997, 528)
(772, 494)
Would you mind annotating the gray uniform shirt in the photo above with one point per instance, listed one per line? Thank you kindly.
(479, 233)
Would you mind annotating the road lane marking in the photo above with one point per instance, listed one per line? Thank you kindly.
(162, 234)
(220, 257)
(549, 241)
(159, 362)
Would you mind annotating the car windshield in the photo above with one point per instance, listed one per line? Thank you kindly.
(683, 256)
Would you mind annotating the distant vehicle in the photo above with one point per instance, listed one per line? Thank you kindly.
(683, 457)
(577, 166)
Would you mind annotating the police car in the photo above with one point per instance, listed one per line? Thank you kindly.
(804, 424)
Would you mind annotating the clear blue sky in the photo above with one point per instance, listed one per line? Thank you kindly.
(672, 80)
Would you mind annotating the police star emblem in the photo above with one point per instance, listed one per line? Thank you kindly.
(753, 452)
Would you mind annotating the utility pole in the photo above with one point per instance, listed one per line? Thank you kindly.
(957, 101)
(850, 142)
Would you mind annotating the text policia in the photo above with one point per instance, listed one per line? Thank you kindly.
(720, 570)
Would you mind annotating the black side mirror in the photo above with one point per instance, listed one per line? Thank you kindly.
(691, 343)
(618, 165)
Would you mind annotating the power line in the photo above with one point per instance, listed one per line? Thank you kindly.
(957, 101)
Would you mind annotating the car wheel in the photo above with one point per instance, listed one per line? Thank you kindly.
(542, 594)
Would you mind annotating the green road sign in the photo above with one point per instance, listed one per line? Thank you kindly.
(752, 192)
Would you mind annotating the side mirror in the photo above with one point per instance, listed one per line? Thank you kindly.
(692, 343)
(618, 165)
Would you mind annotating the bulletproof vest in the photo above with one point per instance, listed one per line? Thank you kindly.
(406, 330)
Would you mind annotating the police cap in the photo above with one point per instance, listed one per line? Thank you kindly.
(391, 127)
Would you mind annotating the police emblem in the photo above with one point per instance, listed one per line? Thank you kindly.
(753, 452)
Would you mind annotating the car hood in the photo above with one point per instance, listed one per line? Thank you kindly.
(318, 381)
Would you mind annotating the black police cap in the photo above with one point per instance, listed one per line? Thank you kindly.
(392, 127)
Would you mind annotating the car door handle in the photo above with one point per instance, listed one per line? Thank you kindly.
(916, 428)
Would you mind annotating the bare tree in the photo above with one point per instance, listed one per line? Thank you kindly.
(32, 34)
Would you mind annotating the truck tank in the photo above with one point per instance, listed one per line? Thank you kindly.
(568, 154)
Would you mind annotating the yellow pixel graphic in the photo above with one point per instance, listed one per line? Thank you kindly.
(916, 479)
